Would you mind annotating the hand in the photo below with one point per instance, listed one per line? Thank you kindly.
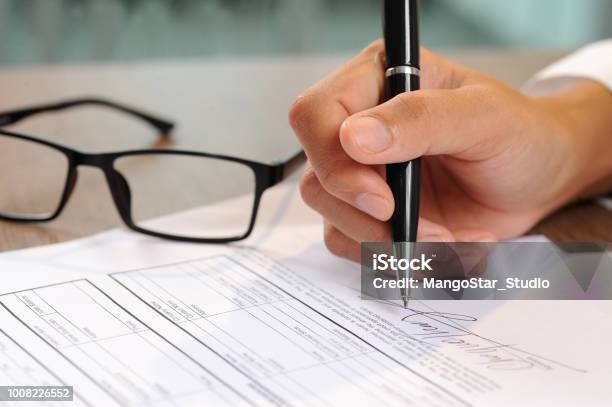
(495, 161)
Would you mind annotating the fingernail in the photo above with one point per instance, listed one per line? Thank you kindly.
(373, 205)
(370, 134)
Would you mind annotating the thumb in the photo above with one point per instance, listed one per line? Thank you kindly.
(427, 122)
(449, 116)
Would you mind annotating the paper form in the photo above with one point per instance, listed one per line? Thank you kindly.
(240, 328)
(270, 335)
(130, 362)
(129, 320)
(19, 366)
(252, 335)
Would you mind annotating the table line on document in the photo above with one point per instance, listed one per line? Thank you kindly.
(46, 368)
(260, 385)
(34, 358)
(229, 276)
(270, 376)
(83, 372)
(206, 318)
(27, 372)
(446, 391)
(73, 345)
(55, 329)
(95, 342)
(358, 355)
(174, 346)
(197, 315)
(137, 333)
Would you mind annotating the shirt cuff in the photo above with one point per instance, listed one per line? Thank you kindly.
(592, 62)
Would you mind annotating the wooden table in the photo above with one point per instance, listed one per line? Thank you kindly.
(220, 106)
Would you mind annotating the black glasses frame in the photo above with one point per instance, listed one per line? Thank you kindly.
(266, 175)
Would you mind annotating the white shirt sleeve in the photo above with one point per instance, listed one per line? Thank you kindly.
(591, 62)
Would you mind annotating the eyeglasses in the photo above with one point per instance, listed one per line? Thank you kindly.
(37, 178)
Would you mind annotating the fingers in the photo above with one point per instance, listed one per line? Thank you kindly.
(451, 115)
(353, 222)
(346, 228)
(458, 122)
(318, 114)
(357, 225)
(316, 118)
(341, 245)
(343, 131)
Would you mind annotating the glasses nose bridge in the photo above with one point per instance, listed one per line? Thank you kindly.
(91, 160)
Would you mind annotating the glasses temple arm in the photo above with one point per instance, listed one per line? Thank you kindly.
(289, 167)
(14, 116)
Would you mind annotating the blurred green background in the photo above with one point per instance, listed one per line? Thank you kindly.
(56, 31)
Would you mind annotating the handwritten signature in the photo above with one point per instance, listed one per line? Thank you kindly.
(442, 329)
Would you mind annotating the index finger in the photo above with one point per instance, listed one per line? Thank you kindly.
(316, 118)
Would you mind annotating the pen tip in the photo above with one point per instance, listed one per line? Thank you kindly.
(405, 303)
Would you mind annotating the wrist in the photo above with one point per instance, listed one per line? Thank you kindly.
(583, 114)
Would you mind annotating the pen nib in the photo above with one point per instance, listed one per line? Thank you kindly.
(405, 302)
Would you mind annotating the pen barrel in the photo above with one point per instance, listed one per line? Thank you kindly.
(404, 178)
(401, 31)
(401, 83)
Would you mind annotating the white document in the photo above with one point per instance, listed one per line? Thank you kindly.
(130, 320)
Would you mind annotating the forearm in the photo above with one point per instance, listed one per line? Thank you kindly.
(585, 110)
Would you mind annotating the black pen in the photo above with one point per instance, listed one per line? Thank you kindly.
(401, 29)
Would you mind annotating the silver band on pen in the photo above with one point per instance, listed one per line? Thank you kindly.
(404, 70)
